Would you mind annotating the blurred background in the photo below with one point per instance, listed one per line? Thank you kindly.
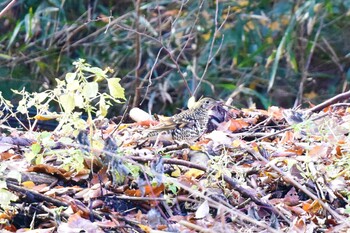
(262, 53)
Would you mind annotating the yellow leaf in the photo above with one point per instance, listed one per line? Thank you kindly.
(145, 228)
(243, 3)
(206, 36)
(103, 106)
(311, 95)
(195, 147)
(285, 20)
(28, 184)
(46, 117)
(236, 143)
(193, 173)
(275, 26)
(176, 172)
(116, 90)
(249, 26)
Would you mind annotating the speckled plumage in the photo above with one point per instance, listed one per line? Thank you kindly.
(188, 125)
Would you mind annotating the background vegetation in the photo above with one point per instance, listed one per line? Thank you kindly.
(278, 52)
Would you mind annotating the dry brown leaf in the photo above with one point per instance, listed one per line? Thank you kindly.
(237, 124)
(292, 197)
(51, 170)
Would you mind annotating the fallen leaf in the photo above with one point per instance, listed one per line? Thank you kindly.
(193, 173)
(203, 210)
(78, 224)
(292, 197)
(237, 124)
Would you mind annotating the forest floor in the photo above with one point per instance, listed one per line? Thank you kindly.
(275, 170)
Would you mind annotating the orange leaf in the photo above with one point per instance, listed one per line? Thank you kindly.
(237, 124)
(147, 123)
(8, 155)
(28, 184)
(314, 207)
(296, 150)
(287, 137)
(318, 151)
(171, 12)
(306, 206)
(149, 191)
(133, 192)
(327, 109)
(338, 148)
(154, 191)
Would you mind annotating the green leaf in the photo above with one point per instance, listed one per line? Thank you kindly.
(30, 156)
(73, 85)
(28, 24)
(173, 188)
(103, 106)
(39, 159)
(70, 77)
(116, 90)
(22, 106)
(79, 100)
(90, 90)
(35, 148)
(67, 102)
(14, 34)
(6, 197)
(5, 56)
(227, 86)
(98, 72)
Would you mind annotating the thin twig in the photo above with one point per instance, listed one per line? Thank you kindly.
(170, 53)
(7, 7)
(210, 55)
(137, 55)
(150, 76)
(289, 178)
(35, 195)
(244, 192)
(335, 99)
(317, 108)
(306, 68)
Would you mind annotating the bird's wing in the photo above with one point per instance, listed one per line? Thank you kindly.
(164, 125)
(177, 121)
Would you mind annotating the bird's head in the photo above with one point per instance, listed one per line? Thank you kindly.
(205, 103)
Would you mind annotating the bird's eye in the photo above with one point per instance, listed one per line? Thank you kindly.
(207, 101)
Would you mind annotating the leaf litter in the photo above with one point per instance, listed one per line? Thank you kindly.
(272, 170)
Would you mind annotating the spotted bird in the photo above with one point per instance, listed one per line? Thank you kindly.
(187, 125)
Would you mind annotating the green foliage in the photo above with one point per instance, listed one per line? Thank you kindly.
(277, 50)
(79, 91)
(6, 196)
(173, 188)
